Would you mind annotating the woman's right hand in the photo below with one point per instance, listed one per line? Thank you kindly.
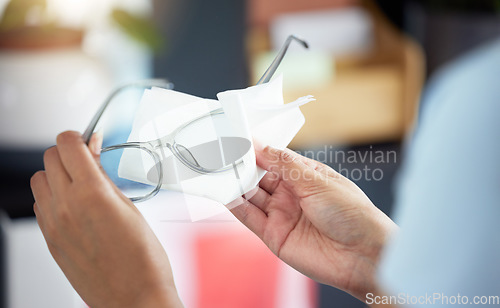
(316, 220)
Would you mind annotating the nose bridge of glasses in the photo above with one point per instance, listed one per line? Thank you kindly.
(164, 142)
(169, 140)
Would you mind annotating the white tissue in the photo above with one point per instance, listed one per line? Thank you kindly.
(255, 113)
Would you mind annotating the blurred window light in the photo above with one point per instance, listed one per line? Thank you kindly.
(338, 31)
(92, 13)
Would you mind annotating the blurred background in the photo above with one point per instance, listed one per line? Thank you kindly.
(367, 66)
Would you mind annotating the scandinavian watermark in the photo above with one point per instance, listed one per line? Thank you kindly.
(363, 164)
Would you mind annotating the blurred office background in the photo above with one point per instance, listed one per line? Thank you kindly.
(367, 66)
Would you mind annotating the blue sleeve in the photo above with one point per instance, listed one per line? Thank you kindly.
(448, 201)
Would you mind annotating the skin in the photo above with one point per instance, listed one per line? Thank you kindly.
(310, 216)
(96, 235)
(317, 221)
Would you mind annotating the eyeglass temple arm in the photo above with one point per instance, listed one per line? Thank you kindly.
(146, 83)
(276, 62)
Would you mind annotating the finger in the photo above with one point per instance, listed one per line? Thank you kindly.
(259, 198)
(270, 182)
(57, 176)
(249, 215)
(290, 168)
(313, 164)
(39, 216)
(76, 157)
(37, 212)
(41, 190)
(317, 166)
(95, 146)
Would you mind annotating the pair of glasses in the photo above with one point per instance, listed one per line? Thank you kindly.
(196, 155)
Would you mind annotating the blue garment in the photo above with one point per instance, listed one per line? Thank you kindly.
(448, 202)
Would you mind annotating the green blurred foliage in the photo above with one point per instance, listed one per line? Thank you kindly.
(138, 28)
(16, 12)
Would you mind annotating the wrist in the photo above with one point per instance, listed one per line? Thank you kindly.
(382, 229)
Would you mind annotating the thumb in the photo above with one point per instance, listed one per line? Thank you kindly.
(290, 167)
(95, 145)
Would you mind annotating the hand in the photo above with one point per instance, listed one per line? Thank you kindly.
(316, 220)
(96, 235)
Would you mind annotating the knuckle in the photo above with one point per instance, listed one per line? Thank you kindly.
(36, 209)
(277, 156)
(319, 166)
(325, 170)
(287, 157)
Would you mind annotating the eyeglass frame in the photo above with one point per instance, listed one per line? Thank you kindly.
(150, 146)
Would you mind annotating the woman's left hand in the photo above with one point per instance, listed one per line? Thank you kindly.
(100, 240)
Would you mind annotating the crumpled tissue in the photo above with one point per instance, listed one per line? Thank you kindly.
(255, 113)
